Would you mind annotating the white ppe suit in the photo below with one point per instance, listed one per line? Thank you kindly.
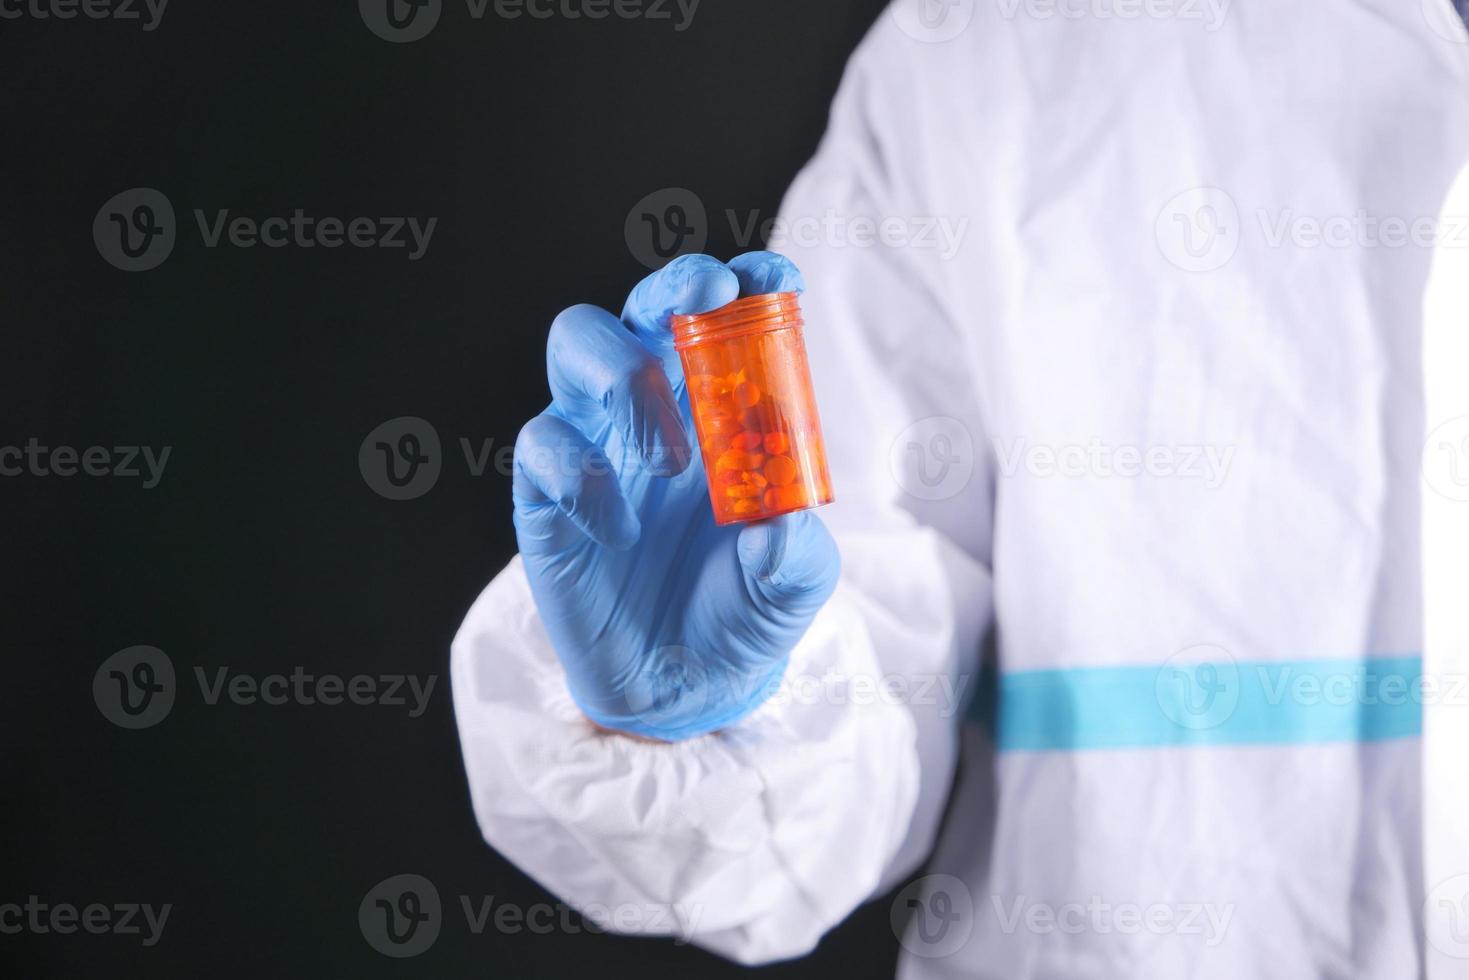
(1141, 341)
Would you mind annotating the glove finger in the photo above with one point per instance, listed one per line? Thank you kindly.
(688, 284)
(791, 564)
(766, 272)
(600, 374)
(565, 488)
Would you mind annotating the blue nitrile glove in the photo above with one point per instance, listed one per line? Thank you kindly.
(667, 625)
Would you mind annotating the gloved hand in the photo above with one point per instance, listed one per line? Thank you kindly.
(667, 625)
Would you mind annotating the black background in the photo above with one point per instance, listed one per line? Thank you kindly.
(263, 548)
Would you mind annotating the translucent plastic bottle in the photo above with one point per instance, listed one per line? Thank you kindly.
(754, 410)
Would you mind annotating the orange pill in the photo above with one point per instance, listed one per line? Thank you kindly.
(748, 441)
(742, 491)
(722, 426)
(745, 507)
(747, 394)
(755, 479)
(776, 443)
(780, 470)
(784, 498)
(737, 459)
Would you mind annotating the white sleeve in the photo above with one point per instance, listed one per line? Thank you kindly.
(754, 841)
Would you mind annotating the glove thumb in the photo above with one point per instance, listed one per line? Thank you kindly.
(791, 564)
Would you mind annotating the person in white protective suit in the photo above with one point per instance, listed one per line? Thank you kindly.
(1171, 415)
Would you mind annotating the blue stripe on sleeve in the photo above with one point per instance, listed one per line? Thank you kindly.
(1210, 702)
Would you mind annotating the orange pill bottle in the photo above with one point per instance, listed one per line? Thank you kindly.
(754, 410)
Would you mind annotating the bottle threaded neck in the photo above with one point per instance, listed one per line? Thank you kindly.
(752, 314)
